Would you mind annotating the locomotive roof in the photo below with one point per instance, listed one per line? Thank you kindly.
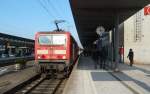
(52, 32)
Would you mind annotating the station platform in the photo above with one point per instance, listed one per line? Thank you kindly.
(84, 79)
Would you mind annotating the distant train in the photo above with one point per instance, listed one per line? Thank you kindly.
(55, 52)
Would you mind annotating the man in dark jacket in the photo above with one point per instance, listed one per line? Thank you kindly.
(130, 56)
(103, 57)
(95, 57)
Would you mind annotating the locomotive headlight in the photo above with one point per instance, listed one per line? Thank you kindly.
(59, 51)
(64, 57)
(39, 57)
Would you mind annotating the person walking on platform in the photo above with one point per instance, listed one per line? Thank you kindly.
(103, 58)
(130, 56)
(95, 57)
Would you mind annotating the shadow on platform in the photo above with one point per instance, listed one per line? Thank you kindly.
(104, 76)
(127, 67)
(86, 63)
(125, 77)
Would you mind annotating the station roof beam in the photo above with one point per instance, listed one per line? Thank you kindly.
(89, 14)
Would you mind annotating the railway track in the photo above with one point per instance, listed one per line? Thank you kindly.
(44, 86)
(39, 85)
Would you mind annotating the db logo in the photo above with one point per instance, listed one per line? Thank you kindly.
(147, 10)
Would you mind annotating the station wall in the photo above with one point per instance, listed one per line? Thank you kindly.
(137, 37)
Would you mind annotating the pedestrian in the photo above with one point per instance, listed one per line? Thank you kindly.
(103, 58)
(131, 56)
(121, 53)
(95, 57)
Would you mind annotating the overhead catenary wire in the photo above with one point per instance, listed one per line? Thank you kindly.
(58, 8)
(54, 9)
(58, 13)
(46, 9)
(61, 8)
(50, 8)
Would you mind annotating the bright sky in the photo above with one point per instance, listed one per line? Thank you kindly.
(25, 17)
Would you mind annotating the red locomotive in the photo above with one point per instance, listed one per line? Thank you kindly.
(55, 52)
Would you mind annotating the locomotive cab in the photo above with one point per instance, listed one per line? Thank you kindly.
(53, 52)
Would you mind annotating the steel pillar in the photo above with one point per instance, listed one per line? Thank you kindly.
(116, 42)
(113, 48)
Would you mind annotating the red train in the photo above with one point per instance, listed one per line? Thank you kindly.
(55, 52)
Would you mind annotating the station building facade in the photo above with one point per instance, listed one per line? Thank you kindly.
(137, 37)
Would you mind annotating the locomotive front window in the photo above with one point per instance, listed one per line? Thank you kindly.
(58, 39)
(52, 40)
(45, 40)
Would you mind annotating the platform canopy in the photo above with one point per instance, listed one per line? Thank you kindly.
(88, 14)
(15, 40)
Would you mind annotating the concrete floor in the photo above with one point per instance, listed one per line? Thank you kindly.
(87, 80)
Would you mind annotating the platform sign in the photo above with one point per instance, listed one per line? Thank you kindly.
(147, 10)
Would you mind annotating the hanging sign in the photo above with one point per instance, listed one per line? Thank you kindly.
(147, 10)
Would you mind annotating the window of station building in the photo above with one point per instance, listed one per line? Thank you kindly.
(138, 27)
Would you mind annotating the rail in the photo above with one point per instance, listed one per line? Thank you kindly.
(39, 85)
(42, 85)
